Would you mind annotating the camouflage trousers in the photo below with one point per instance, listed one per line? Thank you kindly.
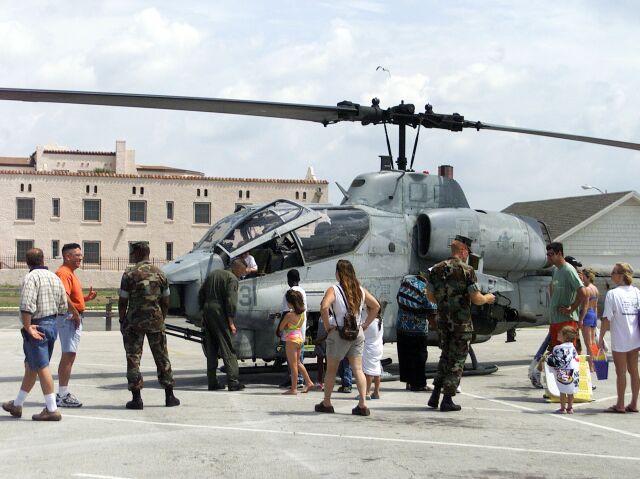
(455, 347)
(218, 343)
(133, 339)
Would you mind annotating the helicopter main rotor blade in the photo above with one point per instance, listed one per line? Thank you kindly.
(403, 114)
(564, 136)
(316, 113)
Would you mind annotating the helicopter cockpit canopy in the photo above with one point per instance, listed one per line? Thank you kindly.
(219, 230)
(255, 227)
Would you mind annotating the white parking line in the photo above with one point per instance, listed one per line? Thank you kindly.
(559, 416)
(362, 438)
(96, 476)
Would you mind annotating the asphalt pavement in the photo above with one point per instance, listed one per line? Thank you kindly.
(505, 429)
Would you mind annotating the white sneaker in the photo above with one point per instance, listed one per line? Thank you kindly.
(458, 390)
(67, 401)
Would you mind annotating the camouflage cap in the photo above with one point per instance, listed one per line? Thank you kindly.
(464, 240)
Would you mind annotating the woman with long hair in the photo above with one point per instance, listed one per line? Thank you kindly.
(589, 313)
(290, 329)
(346, 296)
(620, 315)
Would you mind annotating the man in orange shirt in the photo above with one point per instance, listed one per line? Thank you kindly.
(70, 326)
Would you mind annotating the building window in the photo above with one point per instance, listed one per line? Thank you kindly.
(170, 210)
(88, 189)
(169, 249)
(198, 192)
(202, 213)
(55, 248)
(304, 195)
(55, 207)
(247, 194)
(240, 194)
(297, 195)
(91, 210)
(142, 190)
(29, 187)
(95, 189)
(138, 211)
(21, 187)
(91, 252)
(22, 246)
(25, 208)
(133, 190)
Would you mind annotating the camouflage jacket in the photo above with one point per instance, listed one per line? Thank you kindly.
(144, 285)
(452, 281)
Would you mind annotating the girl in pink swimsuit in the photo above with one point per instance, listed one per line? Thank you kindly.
(291, 334)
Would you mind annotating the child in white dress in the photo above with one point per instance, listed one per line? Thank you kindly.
(564, 359)
(371, 356)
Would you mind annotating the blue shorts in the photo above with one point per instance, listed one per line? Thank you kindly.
(69, 335)
(590, 319)
(37, 352)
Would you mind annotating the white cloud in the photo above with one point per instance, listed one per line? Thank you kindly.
(568, 67)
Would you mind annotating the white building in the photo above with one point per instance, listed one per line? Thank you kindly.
(104, 201)
(599, 230)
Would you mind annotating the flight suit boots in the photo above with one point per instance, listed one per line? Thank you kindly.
(434, 400)
(136, 402)
(448, 405)
(170, 400)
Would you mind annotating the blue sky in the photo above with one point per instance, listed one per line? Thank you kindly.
(565, 66)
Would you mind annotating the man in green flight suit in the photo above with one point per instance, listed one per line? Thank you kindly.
(452, 285)
(142, 307)
(217, 299)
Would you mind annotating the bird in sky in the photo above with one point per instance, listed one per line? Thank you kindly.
(384, 70)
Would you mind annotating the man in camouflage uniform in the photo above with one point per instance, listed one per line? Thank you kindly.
(217, 298)
(142, 306)
(453, 286)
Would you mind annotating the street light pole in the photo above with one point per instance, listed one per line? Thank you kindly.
(589, 187)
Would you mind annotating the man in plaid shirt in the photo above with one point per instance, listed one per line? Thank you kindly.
(42, 300)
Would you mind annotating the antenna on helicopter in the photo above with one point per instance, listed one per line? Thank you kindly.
(343, 191)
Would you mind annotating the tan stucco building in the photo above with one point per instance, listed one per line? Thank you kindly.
(105, 201)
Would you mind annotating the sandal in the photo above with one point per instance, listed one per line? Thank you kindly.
(560, 411)
(289, 392)
(367, 397)
(375, 396)
(569, 410)
(360, 411)
(630, 409)
(326, 409)
(615, 409)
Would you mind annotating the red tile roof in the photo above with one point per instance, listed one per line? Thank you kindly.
(165, 177)
(15, 161)
(80, 152)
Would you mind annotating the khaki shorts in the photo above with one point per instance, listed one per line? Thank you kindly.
(340, 348)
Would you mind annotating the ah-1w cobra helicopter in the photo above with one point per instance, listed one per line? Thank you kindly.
(390, 223)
